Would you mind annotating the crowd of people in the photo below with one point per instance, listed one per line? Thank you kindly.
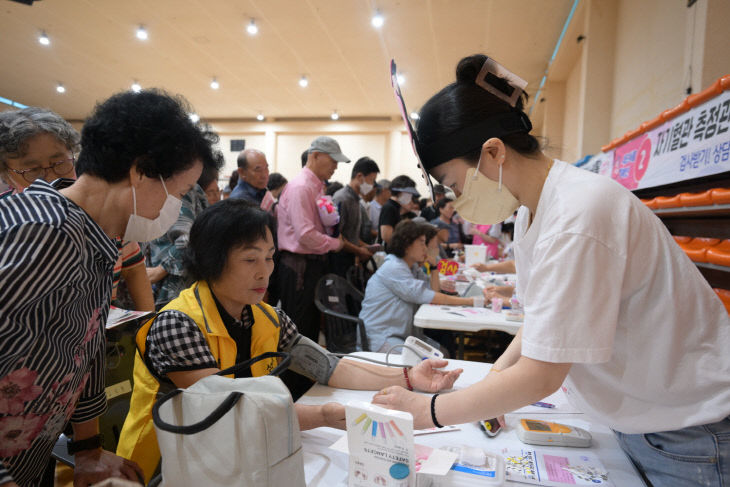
(130, 212)
(232, 274)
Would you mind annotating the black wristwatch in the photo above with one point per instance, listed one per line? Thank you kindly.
(91, 443)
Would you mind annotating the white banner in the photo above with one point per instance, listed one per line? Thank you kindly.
(692, 145)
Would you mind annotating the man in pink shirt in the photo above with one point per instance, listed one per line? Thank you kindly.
(303, 242)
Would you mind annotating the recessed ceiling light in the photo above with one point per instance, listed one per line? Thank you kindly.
(415, 116)
(401, 79)
(260, 117)
(194, 117)
(43, 38)
(142, 33)
(377, 20)
(252, 28)
(303, 81)
(335, 115)
(214, 84)
(60, 88)
(136, 87)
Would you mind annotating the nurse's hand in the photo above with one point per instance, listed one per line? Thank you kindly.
(427, 377)
(419, 405)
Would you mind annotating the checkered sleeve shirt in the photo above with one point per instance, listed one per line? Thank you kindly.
(175, 343)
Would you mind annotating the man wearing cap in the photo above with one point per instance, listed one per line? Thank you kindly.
(430, 212)
(303, 242)
(253, 176)
(402, 189)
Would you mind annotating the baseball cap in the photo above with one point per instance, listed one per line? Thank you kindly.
(328, 145)
(407, 189)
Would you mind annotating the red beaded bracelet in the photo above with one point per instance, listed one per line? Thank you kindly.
(408, 381)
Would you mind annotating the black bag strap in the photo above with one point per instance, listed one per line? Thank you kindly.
(223, 407)
(285, 361)
(201, 425)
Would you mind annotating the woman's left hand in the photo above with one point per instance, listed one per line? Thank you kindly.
(426, 376)
(93, 466)
(419, 405)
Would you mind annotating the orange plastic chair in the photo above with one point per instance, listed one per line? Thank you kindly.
(650, 203)
(696, 249)
(719, 254)
(696, 199)
(721, 196)
(667, 201)
(724, 296)
(681, 239)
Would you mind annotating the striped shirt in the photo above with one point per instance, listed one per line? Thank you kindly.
(55, 285)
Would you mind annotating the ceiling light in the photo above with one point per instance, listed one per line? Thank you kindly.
(252, 28)
(260, 117)
(194, 117)
(335, 115)
(136, 87)
(377, 20)
(415, 116)
(60, 88)
(141, 33)
(214, 84)
(401, 79)
(303, 81)
(43, 38)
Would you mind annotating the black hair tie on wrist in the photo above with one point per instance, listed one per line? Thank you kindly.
(433, 411)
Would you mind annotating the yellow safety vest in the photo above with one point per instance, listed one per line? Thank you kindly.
(138, 440)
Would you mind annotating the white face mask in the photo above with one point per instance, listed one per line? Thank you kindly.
(484, 201)
(404, 198)
(141, 229)
(365, 188)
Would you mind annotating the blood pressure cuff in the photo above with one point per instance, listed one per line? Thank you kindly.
(311, 360)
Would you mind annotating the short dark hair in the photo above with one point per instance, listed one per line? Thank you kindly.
(233, 180)
(364, 166)
(405, 233)
(224, 226)
(305, 156)
(151, 129)
(439, 189)
(464, 104)
(441, 203)
(276, 181)
(401, 181)
(333, 187)
(208, 175)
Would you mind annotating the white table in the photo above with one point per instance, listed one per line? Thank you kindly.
(463, 320)
(325, 467)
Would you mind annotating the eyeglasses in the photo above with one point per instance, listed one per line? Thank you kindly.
(60, 168)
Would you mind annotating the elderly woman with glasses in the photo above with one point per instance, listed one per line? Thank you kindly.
(36, 143)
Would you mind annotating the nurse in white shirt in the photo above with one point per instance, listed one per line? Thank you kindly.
(614, 310)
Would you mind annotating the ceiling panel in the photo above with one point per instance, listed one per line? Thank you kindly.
(94, 51)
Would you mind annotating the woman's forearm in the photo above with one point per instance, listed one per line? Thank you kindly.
(511, 355)
(351, 374)
(441, 298)
(524, 383)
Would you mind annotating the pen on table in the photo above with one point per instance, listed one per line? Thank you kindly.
(543, 404)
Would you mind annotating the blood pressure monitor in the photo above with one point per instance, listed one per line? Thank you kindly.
(418, 350)
(537, 432)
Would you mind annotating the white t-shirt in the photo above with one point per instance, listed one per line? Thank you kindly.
(606, 288)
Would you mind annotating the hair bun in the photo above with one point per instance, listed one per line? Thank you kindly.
(469, 67)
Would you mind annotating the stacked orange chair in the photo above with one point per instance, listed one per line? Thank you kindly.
(720, 196)
(719, 254)
(724, 296)
(696, 249)
(696, 199)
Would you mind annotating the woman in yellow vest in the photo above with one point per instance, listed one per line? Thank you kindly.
(220, 321)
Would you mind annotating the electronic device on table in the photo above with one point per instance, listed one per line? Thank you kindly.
(491, 427)
(537, 432)
(417, 350)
